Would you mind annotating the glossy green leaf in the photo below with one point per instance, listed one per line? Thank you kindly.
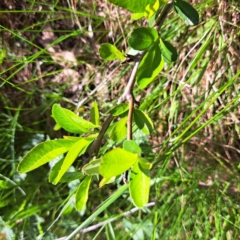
(94, 114)
(168, 51)
(119, 131)
(77, 149)
(143, 121)
(116, 162)
(69, 121)
(92, 168)
(82, 193)
(150, 66)
(108, 51)
(131, 146)
(139, 185)
(142, 38)
(144, 163)
(119, 109)
(44, 153)
(186, 12)
(135, 6)
(105, 181)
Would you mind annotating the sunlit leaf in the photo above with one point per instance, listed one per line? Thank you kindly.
(131, 146)
(67, 177)
(108, 51)
(92, 168)
(119, 131)
(139, 185)
(77, 149)
(69, 121)
(136, 16)
(150, 66)
(116, 162)
(135, 6)
(144, 163)
(142, 38)
(119, 109)
(105, 181)
(44, 153)
(94, 114)
(82, 193)
(151, 9)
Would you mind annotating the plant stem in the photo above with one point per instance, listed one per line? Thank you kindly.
(160, 20)
(130, 117)
(97, 143)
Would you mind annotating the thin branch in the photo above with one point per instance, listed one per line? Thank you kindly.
(127, 94)
(160, 20)
(130, 117)
(94, 148)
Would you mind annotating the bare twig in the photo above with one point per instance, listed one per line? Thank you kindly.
(127, 94)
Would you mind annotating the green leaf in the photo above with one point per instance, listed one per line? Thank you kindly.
(119, 131)
(71, 176)
(2, 55)
(142, 38)
(136, 16)
(94, 114)
(67, 177)
(82, 193)
(105, 181)
(150, 66)
(55, 170)
(119, 109)
(116, 162)
(69, 121)
(143, 121)
(151, 9)
(186, 12)
(144, 163)
(5, 184)
(44, 153)
(135, 6)
(77, 149)
(108, 51)
(131, 146)
(169, 52)
(92, 168)
(139, 185)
